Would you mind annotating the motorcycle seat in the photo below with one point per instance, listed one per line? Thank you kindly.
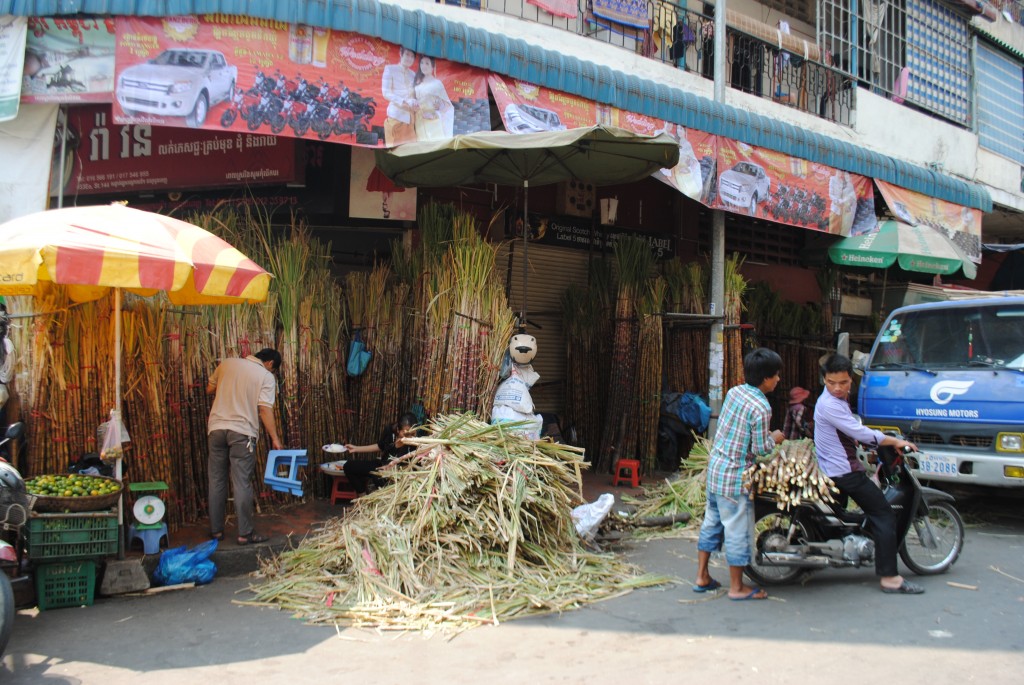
(855, 515)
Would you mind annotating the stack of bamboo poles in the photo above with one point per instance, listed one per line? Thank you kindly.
(686, 346)
(634, 264)
(475, 528)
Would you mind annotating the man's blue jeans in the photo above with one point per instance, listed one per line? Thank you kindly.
(731, 520)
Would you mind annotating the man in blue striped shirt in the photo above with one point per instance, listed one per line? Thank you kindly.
(743, 435)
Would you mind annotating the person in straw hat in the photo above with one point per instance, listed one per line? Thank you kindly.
(799, 422)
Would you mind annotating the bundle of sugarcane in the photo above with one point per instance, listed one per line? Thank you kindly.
(647, 392)
(584, 397)
(735, 286)
(474, 528)
(467, 321)
(634, 263)
(790, 474)
(686, 346)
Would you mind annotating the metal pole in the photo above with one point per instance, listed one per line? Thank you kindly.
(717, 304)
(117, 406)
(526, 242)
(63, 148)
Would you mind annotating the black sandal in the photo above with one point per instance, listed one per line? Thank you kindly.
(252, 539)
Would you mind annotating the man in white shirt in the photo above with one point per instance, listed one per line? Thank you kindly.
(397, 88)
(244, 392)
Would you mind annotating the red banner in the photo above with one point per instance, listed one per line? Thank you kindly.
(773, 185)
(69, 60)
(713, 170)
(959, 223)
(214, 71)
(108, 158)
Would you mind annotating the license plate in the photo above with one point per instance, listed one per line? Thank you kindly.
(935, 465)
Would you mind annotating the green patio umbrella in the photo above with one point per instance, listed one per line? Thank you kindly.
(915, 248)
(602, 155)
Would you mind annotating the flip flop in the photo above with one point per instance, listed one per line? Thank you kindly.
(252, 539)
(710, 587)
(906, 588)
(751, 595)
(217, 536)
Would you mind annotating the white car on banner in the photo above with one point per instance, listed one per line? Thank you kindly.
(182, 82)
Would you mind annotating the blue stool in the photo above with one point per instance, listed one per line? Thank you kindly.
(150, 536)
(281, 461)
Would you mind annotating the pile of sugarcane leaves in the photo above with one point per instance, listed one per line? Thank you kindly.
(474, 528)
(658, 511)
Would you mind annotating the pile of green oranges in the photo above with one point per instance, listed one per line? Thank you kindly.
(72, 485)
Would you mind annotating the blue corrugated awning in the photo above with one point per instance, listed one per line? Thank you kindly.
(435, 36)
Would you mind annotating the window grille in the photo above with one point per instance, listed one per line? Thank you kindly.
(915, 51)
(1000, 102)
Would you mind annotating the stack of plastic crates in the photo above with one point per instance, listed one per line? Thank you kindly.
(64, 549)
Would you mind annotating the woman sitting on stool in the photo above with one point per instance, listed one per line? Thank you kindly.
(391, 445)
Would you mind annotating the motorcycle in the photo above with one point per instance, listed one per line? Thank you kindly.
(813, 535)
(15, 505)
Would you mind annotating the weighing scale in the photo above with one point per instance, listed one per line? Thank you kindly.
(149, 511)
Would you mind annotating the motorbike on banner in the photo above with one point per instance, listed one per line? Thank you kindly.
(790, 544)
(15, 505)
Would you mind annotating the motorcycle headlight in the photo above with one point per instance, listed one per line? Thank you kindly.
(1010, 442)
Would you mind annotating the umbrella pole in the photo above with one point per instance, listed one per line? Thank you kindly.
(526, 243)
(117, 407)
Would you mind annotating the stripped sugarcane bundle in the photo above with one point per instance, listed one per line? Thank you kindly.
(474, 528)
(791, 475)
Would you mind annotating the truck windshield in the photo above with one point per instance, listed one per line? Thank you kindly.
(955, 337)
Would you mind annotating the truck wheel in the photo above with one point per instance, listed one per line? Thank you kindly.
(198, 115)
(753, 204)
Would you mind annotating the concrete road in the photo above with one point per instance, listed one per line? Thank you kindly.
(837, 628)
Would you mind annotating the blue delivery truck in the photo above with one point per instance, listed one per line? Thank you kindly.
(950, 376)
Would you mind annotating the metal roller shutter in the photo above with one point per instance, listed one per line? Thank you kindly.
(550, 271)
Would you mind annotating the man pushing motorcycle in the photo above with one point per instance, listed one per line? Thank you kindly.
(836, 434)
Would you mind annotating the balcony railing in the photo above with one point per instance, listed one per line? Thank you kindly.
(684, 38)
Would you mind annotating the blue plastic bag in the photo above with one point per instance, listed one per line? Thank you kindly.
(183, 565)
(358, 356)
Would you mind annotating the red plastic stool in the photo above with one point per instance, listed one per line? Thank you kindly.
(342, 489)
(630, 466)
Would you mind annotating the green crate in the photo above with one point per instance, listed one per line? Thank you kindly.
(61, 537)
(68, 584)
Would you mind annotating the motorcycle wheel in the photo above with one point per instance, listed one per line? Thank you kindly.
(934, 542)
(770, 529)
(6, 610)
(228, 118)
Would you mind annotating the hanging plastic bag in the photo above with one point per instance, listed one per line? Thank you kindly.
(358, 356)
(183, 565)
(112, 435)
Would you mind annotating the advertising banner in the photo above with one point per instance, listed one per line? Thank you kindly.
(239, 73)
(776, 187)
(960, 224)
(715, 171)
(13, 31)
(69, 60)
(108, 158)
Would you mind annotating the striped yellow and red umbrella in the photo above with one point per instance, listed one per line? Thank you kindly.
(92, 249)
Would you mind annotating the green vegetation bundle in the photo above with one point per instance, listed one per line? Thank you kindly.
(791, 475)
(684, 495)
(474, 528)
